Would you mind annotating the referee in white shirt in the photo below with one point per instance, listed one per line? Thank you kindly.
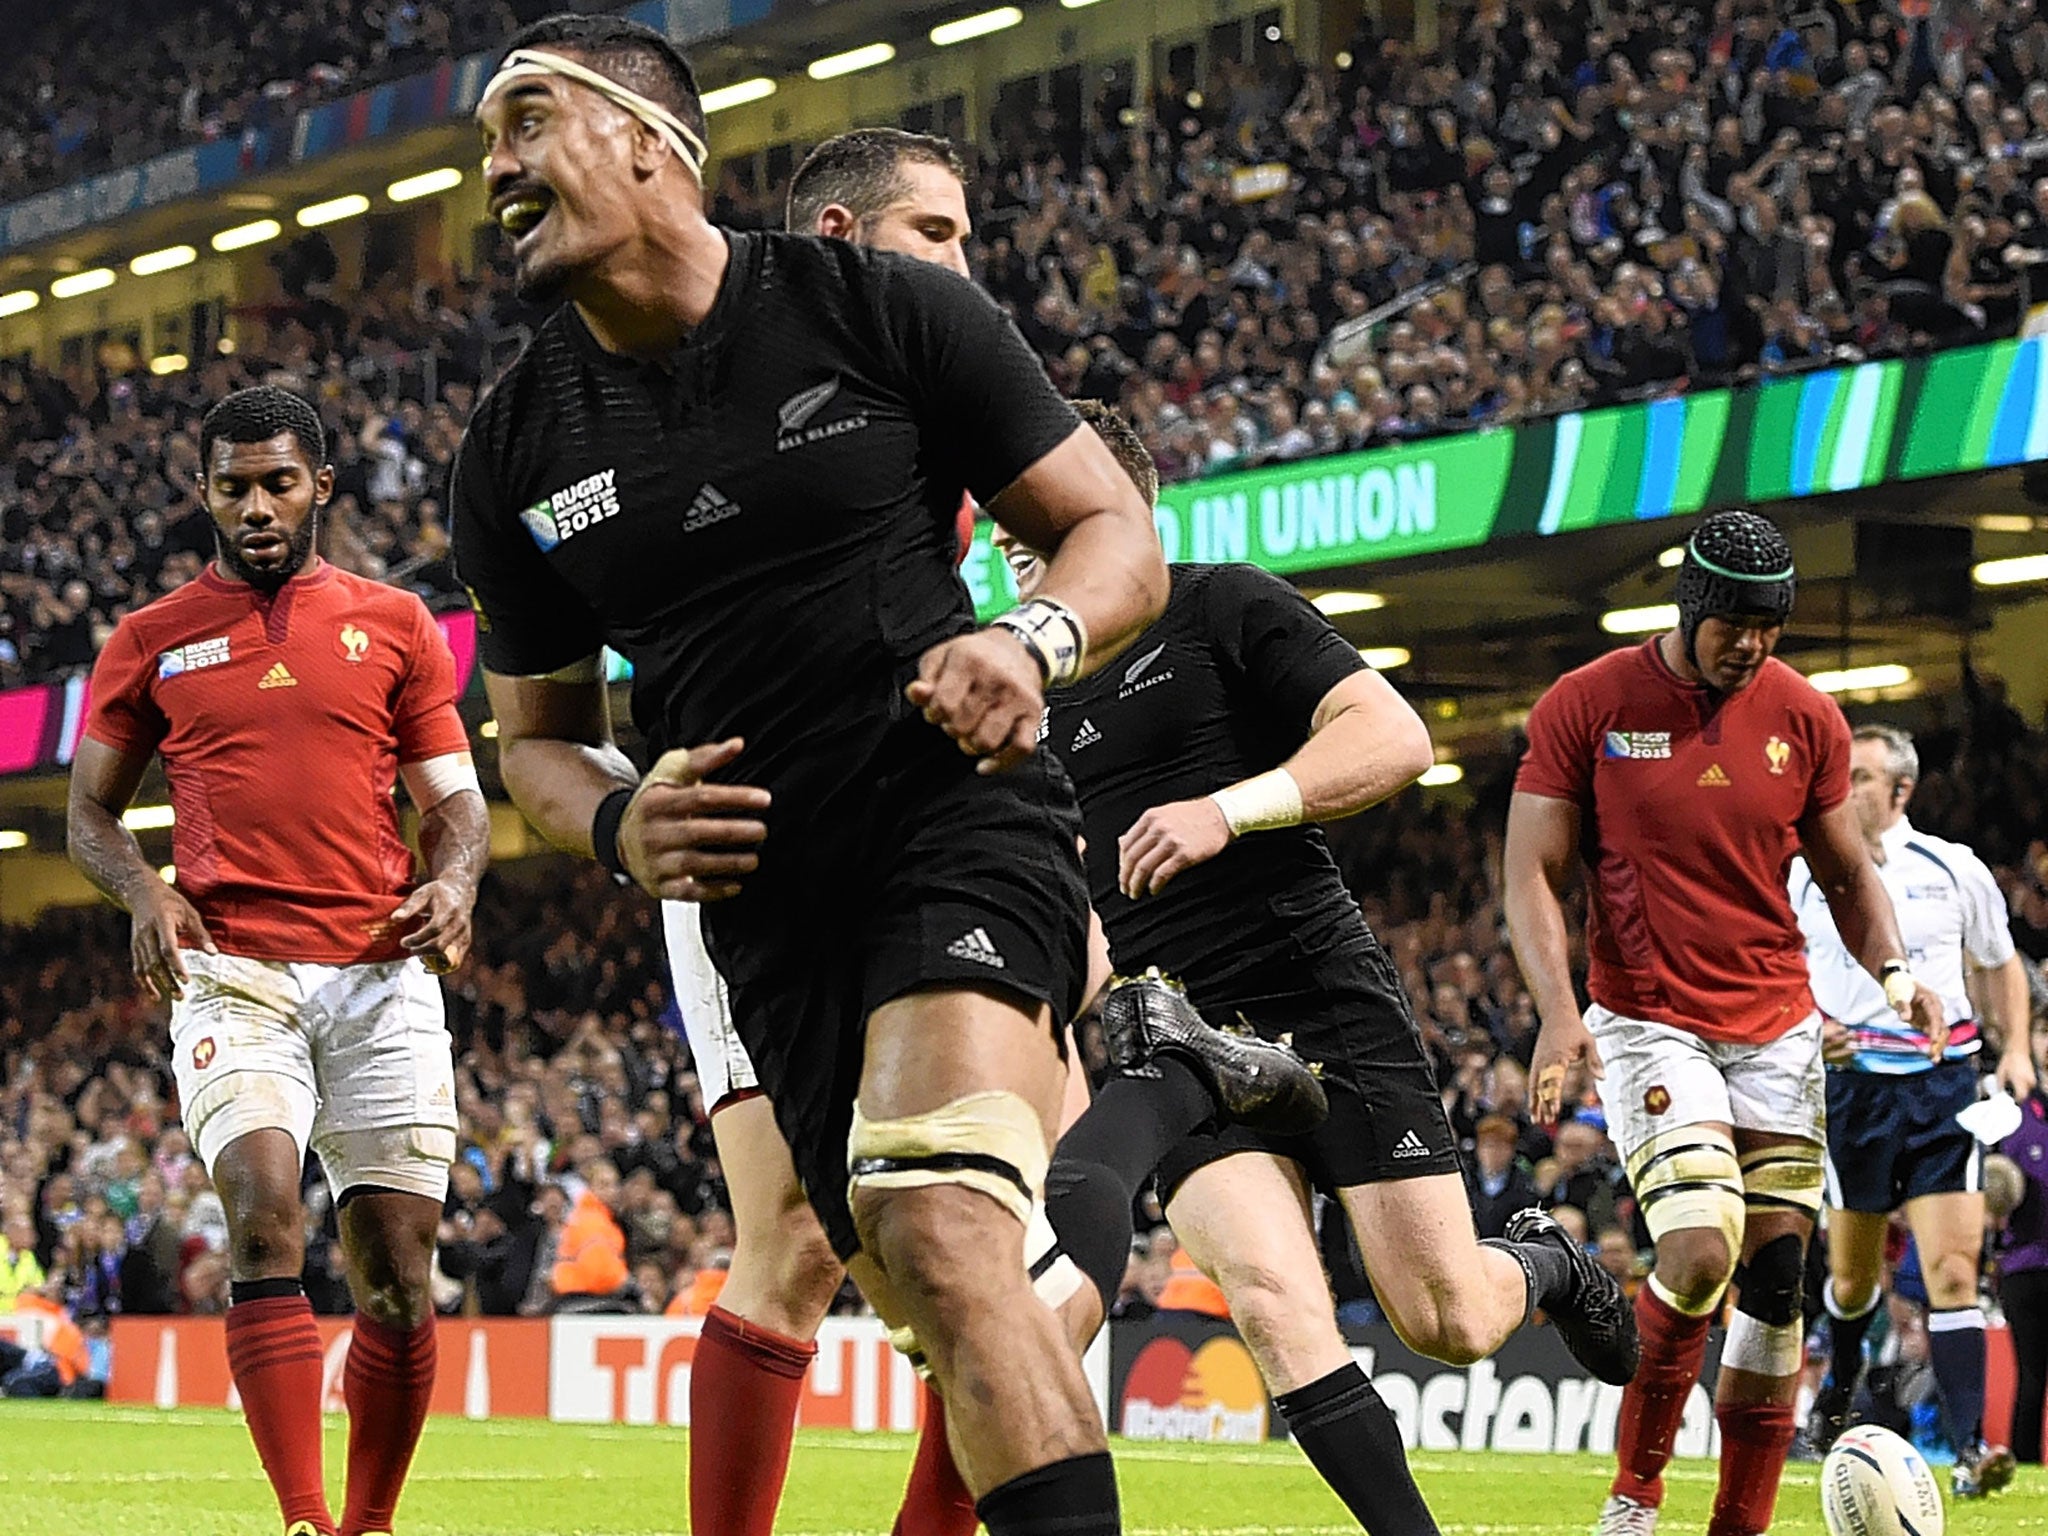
(1893, 1138)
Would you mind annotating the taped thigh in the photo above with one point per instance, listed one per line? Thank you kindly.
(990, 1142)
(1785, 1176)
(1689, 1179)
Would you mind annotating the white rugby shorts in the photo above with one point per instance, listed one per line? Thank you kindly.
(1660, 1078)
(353, 1061)
(724, 1070)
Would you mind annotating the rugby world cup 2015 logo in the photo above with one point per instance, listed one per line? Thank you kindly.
(1633, 746)
(563, 514)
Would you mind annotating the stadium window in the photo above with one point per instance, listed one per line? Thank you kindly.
(1116, 89)
(170, 331)
(1226, 43)
(1180, 65)
(922, 118)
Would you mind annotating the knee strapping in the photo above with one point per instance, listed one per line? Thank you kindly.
(1772, 1281)
(1690, 1179)
(1786, 1176)
(990, 1142)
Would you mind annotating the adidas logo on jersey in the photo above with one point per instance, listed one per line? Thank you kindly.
(1087, 736)
(709, 506)
(976, 945)
(279, 676)
(1410, 1145)
(1714, 778)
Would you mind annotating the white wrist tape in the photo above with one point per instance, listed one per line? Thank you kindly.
(1261, 803)
(1899, 985)
(1054, 634)
(434, 779)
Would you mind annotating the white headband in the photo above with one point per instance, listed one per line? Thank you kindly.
(532, 63)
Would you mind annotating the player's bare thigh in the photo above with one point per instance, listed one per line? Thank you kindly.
(1245, 1221)
(784, 1273)
(1445, 1295)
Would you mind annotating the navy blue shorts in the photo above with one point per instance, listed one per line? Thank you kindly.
(1891, 1138)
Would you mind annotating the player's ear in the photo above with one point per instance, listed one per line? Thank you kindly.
(836, 221)
(323, 485)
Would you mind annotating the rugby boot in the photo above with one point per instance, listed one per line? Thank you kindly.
(1262, 1085)
(1594, 1316)
(1982, 1472)
(1623, 1516)
(1830, 1416)
(307, 1528)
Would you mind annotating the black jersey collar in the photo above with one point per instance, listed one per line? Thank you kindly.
(741, 269)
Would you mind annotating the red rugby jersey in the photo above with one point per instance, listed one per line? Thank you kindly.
(281, 722)
(1690, 805)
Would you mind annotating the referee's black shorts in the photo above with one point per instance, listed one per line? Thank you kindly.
(938, 878)
(1893, 1136)
(1348, 1014)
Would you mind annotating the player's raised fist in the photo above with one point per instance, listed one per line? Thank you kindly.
(685, 839)
(165, 922)
(985, 691)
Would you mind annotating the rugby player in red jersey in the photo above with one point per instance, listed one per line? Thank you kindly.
(1688, 771)
(286, 699)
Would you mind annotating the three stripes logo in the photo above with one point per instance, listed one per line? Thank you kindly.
(976, 945)
(1409, 1146)
(1087, 736)
(1714, 778)
(710, 506)
(279, 676)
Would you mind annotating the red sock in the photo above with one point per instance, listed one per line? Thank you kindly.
(936, 1503)
(1755, 1439)
(387, 1384)
(1653, 1405)
(274, 1355)
(745, 1383)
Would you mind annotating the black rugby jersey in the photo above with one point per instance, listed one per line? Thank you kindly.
(1225, 685)
(762, 522)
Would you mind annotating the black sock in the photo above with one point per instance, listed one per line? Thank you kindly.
(1546, 1269)
(263, 1290)
(1348, 1435)
(1138, 1118)
(1845, 1334)
(1955, 1348)
(1075, 1497)
(1090, 1212)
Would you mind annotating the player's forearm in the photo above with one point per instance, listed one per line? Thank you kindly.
(1542, 945)
(455, 837)
(107, 854)
(1864, 918)
(1110, 571)
(558, 785)
(1357, 759)
(2010, 1008)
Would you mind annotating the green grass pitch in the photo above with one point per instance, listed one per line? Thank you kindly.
(96, 1470)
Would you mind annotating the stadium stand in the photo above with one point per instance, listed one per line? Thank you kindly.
(1544, 214)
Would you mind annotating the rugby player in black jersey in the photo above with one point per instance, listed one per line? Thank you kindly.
(737, 459)
(1204, 760)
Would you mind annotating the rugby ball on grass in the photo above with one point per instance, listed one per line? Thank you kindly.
(1875, 1484)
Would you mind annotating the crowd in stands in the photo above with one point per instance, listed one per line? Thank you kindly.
(99, 85)
(1559, 206)
(587, 1178)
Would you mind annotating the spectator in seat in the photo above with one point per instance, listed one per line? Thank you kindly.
(589, 1272)
(1500, 1184)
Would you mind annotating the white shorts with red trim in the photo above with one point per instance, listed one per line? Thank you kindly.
(1660, 1078)
(724, 1070)
(352, 1061)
